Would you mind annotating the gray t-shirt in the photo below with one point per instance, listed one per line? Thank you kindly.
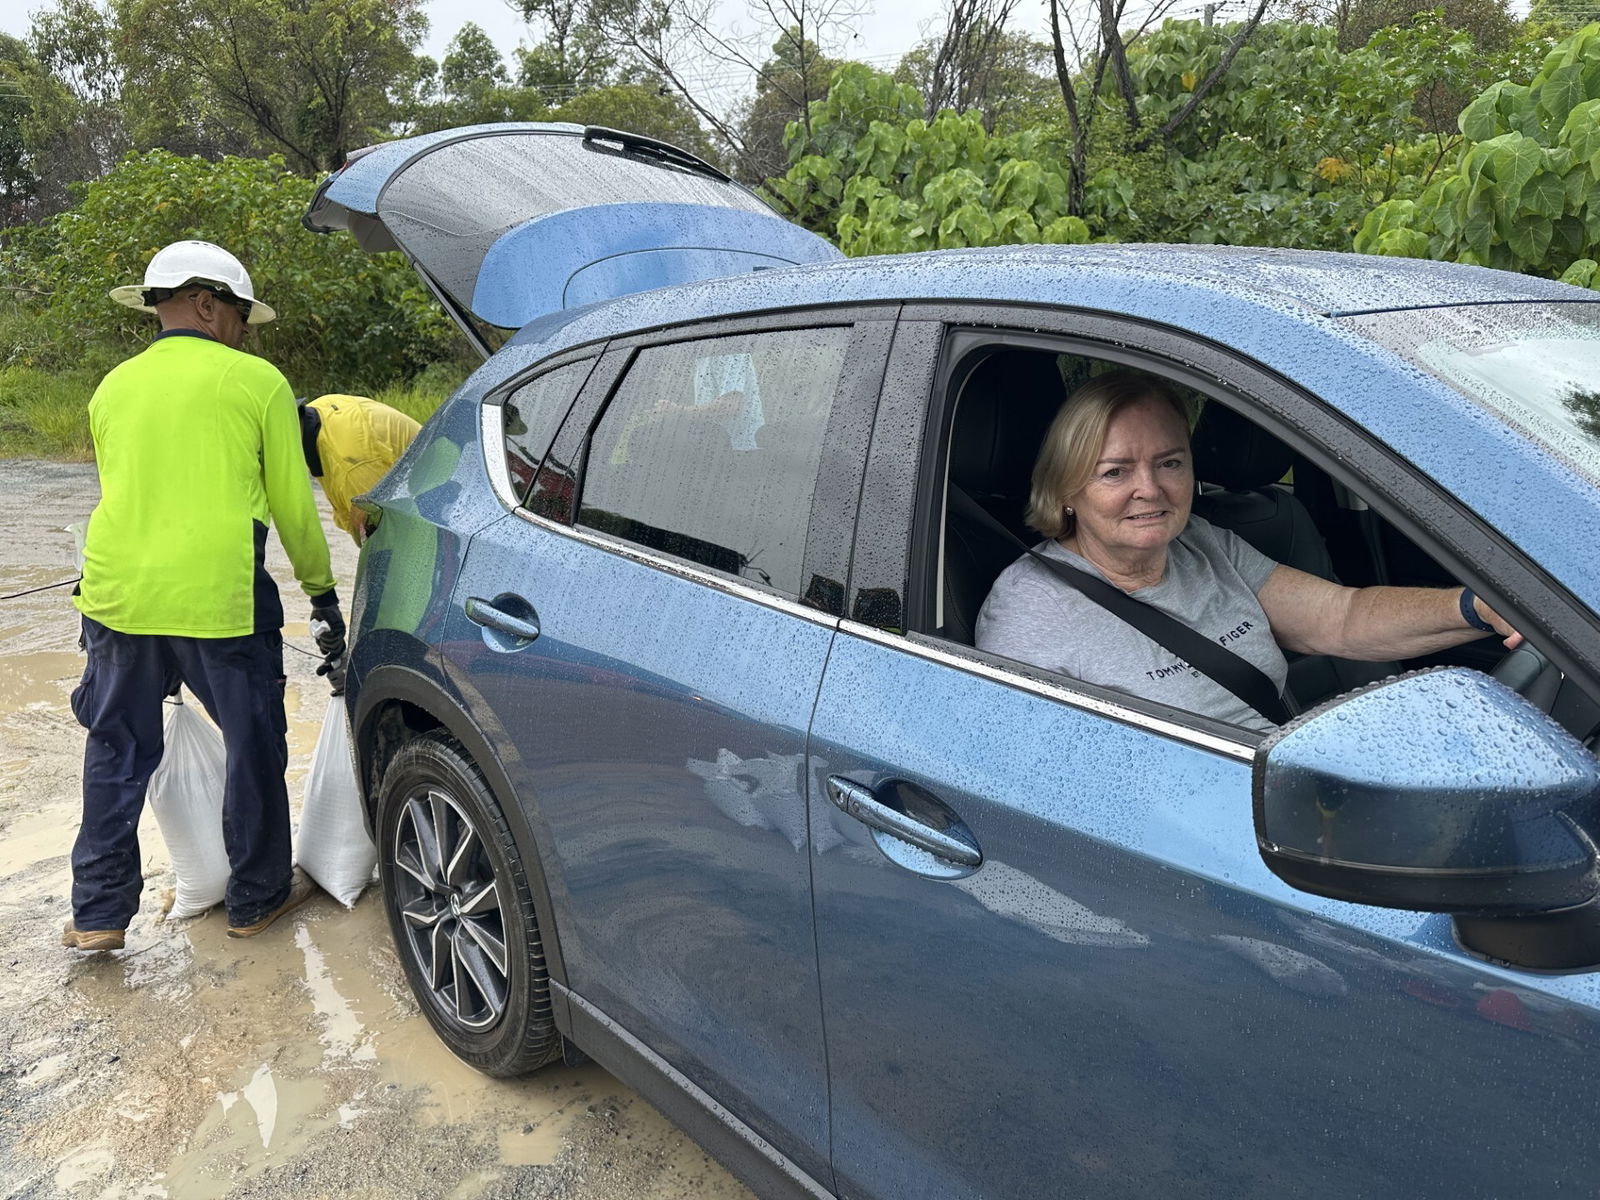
(1212, 579)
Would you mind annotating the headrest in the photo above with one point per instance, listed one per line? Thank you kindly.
(1235, 453)
(1006, 406)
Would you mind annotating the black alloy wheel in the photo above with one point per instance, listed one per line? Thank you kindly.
(460, 910)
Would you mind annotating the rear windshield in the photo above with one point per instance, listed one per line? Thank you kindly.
(1537, 366)
(450, 206)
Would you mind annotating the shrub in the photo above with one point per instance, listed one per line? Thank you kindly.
(348, 321)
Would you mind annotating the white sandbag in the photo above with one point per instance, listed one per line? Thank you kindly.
(186, 794)
(332, 845)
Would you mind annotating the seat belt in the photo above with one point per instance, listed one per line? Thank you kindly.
(1223, 667)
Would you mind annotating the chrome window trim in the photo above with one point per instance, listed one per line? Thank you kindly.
(673, 566)
(491, 433)
(1229, 748)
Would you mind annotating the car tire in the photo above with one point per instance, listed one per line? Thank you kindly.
(460, 910)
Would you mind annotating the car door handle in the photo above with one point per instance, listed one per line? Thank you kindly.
(484, 612)
(855, 800)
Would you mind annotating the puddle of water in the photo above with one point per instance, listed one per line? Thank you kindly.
(44, 677)
(16, 578)
(33, 839)
(475, 1186)
(262, 1095)
(342, 1034)
(44, 1070)
(84, 1165)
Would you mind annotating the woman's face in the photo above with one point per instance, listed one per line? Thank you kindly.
(1139, 496)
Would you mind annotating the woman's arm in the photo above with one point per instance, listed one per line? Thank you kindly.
(1312, 616)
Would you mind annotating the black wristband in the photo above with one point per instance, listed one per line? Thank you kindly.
(1469, 614)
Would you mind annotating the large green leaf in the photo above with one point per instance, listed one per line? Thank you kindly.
(1581, 130)
(1403, 243)
(1561, 91)
(1581, 273)
(1529, 239)
(1545, 195)
(1065, 231)
(1391, 215)
(1578, 186)
(1480, 120)
(1569, 238)
(1477, 226)
(1513, 160)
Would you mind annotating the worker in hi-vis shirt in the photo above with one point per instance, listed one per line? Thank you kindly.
(350, 442)
(198, 448)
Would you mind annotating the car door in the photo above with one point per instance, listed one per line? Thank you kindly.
(644, 652)
(1053, 962)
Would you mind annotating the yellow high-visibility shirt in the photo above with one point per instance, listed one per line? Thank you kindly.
(359, 441)
(198, 448)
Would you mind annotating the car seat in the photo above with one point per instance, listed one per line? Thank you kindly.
(1239, 467)
(1005, 409)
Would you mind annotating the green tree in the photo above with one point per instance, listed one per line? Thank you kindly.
(19, 184)
(1292, 147)
(1008, 79)
(1524, 194)
(1488, 22)
(74, 127)
(471, 87)
(309, 79)
(347, 320)
(471, 64)
(789, 81)
(880, 179)
(1557, 18)
(571, 58)
(644, 108)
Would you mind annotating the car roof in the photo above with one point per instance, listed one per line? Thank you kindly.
(1277, 307)
(1206, 289)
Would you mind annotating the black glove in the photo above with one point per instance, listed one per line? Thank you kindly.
(327, 627)
(333, 667)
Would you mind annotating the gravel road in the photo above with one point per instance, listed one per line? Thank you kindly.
(295, 1064)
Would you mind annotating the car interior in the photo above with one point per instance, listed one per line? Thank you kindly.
(1247, 481)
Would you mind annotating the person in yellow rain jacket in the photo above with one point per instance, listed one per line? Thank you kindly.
(350, 442)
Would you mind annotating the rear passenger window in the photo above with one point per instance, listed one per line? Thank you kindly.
(709, 451)
(531, 416)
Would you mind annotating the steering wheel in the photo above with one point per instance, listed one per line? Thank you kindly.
(1528, 672)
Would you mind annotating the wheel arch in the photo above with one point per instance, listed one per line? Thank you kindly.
(397, 702)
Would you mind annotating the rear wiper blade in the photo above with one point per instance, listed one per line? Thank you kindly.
(639, 146)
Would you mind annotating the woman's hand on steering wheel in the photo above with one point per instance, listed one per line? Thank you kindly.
(1503, 628)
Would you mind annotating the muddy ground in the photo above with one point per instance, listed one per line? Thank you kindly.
(294, 1064)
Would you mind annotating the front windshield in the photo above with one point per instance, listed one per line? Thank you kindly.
(1536, 366)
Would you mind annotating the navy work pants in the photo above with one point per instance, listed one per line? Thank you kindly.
(240, 681)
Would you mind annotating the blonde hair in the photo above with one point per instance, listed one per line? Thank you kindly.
(1073, 443)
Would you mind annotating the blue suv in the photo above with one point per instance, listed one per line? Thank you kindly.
(677, 749)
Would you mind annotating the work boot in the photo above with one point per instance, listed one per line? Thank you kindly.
(300, 889)
(92, 939)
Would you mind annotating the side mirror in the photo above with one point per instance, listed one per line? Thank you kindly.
(1442, 791)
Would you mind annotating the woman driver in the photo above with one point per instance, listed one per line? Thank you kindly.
(1112, 489)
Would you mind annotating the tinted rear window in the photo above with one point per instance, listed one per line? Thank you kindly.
(709, 451)
(451, 205)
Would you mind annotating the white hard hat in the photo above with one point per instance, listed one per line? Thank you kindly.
(183, 263)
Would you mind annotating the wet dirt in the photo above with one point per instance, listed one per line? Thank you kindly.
(194, 1066)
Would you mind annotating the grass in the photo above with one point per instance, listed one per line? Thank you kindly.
(45, 414)
(418, 397)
